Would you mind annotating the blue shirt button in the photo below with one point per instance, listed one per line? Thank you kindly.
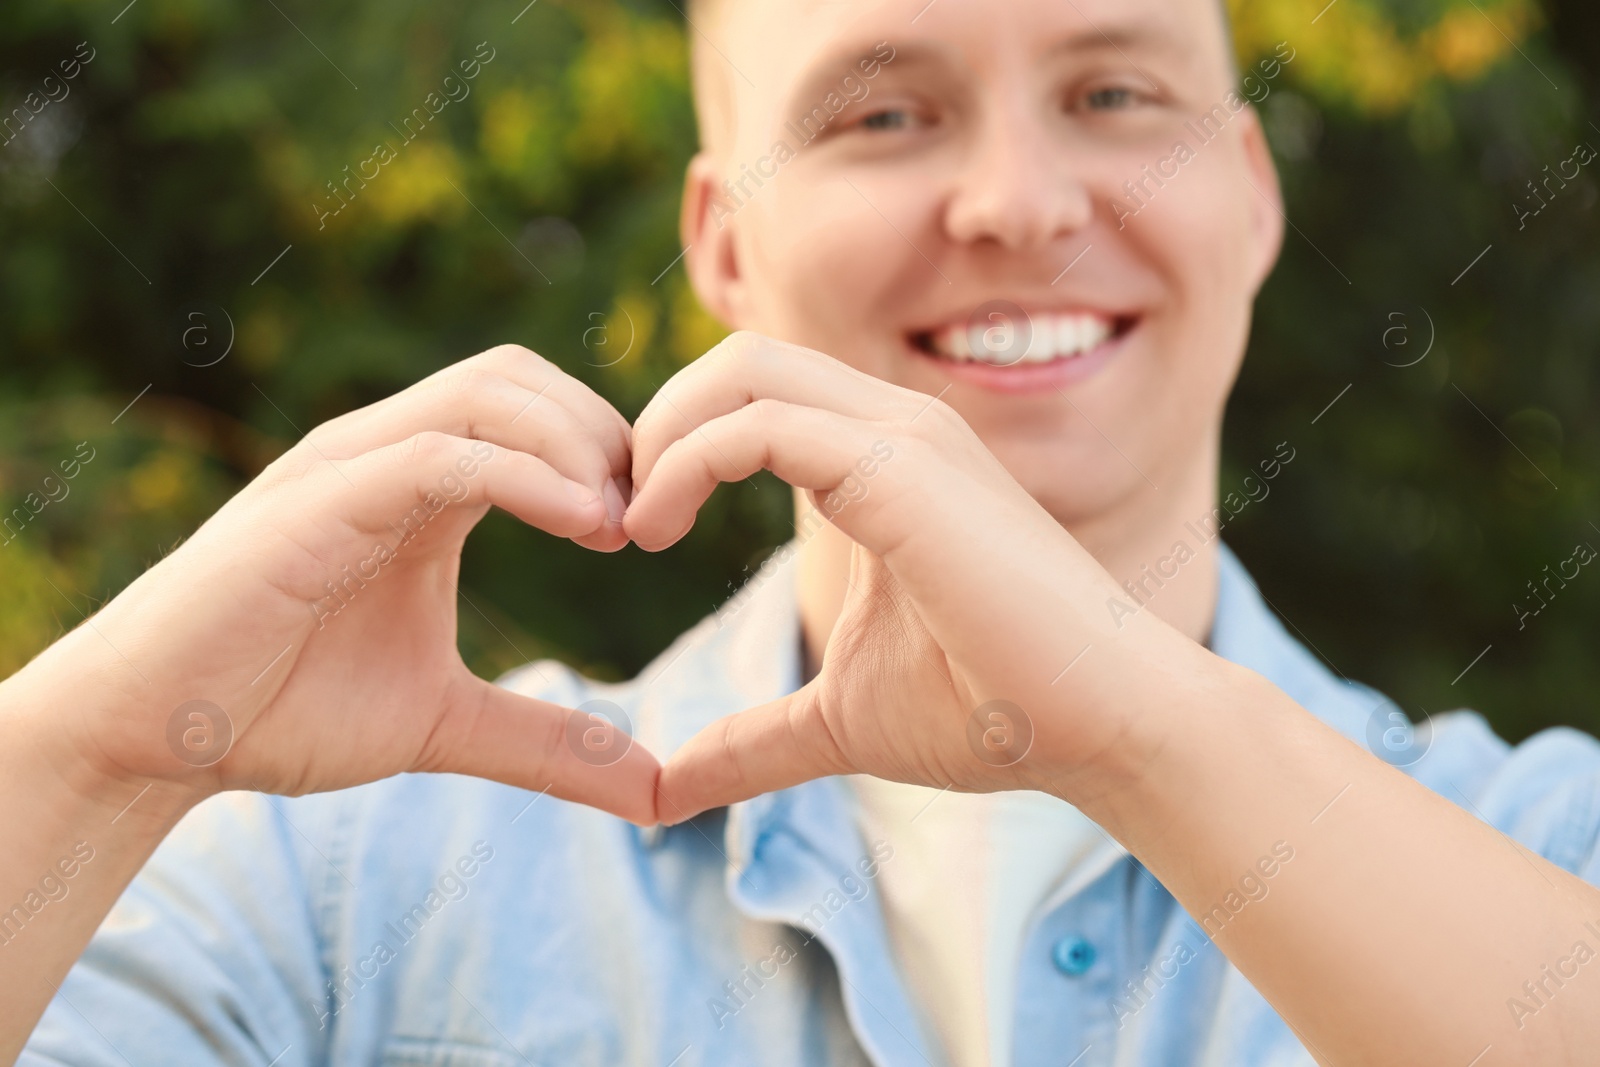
(1073, 956)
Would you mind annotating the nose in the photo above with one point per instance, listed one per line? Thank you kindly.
(1018, 187)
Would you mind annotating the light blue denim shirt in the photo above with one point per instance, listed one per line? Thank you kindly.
(442, 921)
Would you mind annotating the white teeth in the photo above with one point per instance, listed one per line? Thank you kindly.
(1067, 334)
(1053, 336)
(1092, 333)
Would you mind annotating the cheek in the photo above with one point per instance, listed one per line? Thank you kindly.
(1215, 255)
(1198, 234)
(1196, 228)
(1217, 214)
(823, 266)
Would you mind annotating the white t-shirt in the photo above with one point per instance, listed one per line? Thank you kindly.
(970, 873)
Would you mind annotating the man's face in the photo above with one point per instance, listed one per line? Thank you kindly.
(975, 166)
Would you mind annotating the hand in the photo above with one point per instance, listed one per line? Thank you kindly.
(317, 609)
(967, 602)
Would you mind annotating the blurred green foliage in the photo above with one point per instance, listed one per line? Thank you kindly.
(172, 207)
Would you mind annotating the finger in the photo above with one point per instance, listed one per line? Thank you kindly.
(540, 375)
(563, 421)
(767, 748)
(746, 367)
(401, 489)
(435, 404)
(477, 404)
(472, 401)
(490, 732)
(609, 536)
(807, 447)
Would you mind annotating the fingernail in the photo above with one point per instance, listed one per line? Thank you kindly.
(625, 484)
(581, 493)
(616, 503)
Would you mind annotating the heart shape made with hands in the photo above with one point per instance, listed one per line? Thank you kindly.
(967, 603)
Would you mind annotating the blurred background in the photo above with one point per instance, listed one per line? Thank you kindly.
(182, 294)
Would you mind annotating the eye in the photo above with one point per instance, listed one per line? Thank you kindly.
(886, 120)
(1109, 98)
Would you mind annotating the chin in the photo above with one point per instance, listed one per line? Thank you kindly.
(1075, 480)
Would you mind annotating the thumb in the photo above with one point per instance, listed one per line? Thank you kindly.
(489, 731)
(770, 747)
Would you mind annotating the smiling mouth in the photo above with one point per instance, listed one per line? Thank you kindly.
(1038, 338)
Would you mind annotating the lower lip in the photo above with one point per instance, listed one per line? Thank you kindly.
(1029, 377)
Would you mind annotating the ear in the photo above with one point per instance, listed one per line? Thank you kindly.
(706, 226)
(1266, 210)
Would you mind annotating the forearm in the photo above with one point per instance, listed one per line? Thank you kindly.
(1383, 922)
(71, 840)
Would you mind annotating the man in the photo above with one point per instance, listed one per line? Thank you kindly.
(1020, 782)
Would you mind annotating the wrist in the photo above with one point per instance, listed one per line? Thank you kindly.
(1172, 711)
(61, 733)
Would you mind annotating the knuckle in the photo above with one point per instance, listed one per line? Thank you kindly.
(319, 440)
(429, 446)
(293, 465)
(765, 409)
(741, 347)
(508, 355)
(469, 378)
(653, 421)
(453, 382)
(686, 445)
(744, 342)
